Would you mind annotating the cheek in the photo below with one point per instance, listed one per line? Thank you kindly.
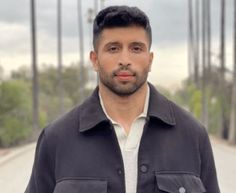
(107, 62)
(103, 59)
(103, 66)
(146, 69)
(143, 63)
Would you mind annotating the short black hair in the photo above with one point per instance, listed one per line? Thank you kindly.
(120, 16)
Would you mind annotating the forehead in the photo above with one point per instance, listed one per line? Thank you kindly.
(123, 35)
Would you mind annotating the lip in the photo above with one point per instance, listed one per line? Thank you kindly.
(124, 76)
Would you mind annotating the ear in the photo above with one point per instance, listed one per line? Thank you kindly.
(94, 60)
(150, 60)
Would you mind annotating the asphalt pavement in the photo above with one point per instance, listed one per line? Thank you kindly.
(225, 159)
(15, 169)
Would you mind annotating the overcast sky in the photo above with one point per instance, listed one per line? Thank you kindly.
(169, 20)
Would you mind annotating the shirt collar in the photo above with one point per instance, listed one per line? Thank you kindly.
(143, 114)
(91, 112)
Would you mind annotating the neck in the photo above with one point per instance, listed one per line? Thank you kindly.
(124, 109)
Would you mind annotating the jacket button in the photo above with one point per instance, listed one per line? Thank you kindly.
(119, 171)
(144, 168)
(182, 190)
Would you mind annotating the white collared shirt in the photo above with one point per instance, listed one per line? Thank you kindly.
(129, 144)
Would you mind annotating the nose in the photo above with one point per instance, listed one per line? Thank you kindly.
(124, 59)
(124, 66)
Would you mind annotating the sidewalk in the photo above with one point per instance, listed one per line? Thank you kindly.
(4, 152)
(11, 153)
(220, 142)
(15, 168)
(225, 159)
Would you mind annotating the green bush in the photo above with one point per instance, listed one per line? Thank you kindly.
(15, 112)
(190, 97)
(13, 130)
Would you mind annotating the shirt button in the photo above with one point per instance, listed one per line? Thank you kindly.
(182, 190)
(144, 168)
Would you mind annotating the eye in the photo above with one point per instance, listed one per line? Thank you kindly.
(113, 49)
(137, 49)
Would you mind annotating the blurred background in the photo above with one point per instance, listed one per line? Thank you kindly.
(45, 71)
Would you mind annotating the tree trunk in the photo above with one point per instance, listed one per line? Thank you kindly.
(208, 7)
(190, 41)
(222, 40)
(81, 49)
(197, 43)
(223, 128)
(60, 87)
(95, 7)
(35, 85)
(232, 133)
(204, 78)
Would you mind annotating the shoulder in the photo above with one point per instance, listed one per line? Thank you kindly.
(70, 125)
(186, 122)
(63, 126)
(171, 113)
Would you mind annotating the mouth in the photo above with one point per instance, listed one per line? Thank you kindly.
(124, 76)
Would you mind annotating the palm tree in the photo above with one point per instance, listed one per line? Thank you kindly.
(232, 133)
(222, 129)
(222, 40)
(208, 12)
(95, 7)
(204, 77)
(190, 39)
(35, 85)
(60, 87)
(81, 47)
(196, 61)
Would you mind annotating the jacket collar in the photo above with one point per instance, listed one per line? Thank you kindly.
(91, 113)
(160, 107)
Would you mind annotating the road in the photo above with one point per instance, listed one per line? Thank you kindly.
(225, 158)
(15, 172)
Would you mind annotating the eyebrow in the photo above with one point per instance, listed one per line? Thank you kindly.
(132, 43)
(112, 44)
(139, 44)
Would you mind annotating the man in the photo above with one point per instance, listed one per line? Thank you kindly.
(126, 137)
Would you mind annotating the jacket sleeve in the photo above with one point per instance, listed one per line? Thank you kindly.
(208, 169)
(42, 179)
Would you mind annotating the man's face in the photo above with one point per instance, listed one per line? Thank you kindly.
(122, 59)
